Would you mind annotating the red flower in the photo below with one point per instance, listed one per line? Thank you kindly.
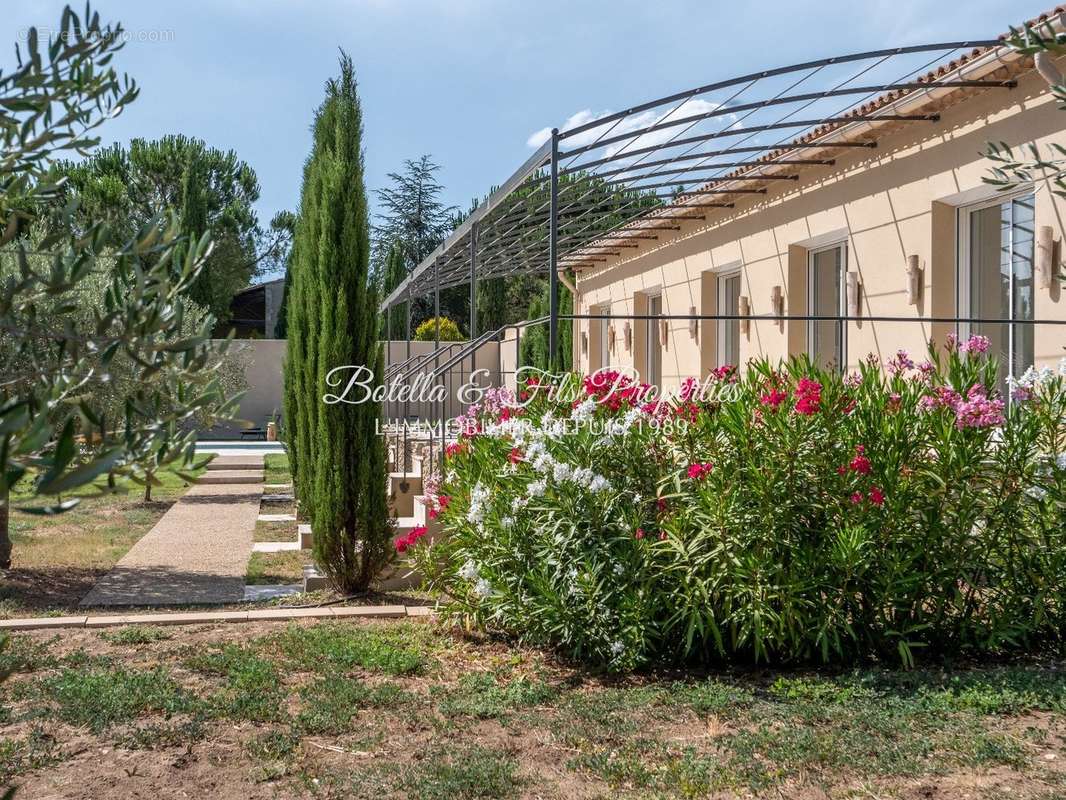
(639, 534)
(876, 496)
(808, 396)
(773, 398)
(860, 464)
(698, 472)
(842, 470)
(403, 542)
(454, 449)
(515, 455)
(856, 497)
(662, 536)
(660, 504)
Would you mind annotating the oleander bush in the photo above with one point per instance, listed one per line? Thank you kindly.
(786, 514)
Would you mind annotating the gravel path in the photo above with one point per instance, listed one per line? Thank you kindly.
(197, 553)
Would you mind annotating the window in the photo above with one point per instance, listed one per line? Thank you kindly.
(654, 351)
(996, 247)
(603, 327)
(729, 329)
(825, 281)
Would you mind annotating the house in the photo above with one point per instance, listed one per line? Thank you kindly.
(902, 230)
(254, 311)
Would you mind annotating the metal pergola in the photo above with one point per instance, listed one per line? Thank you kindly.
(595, 190)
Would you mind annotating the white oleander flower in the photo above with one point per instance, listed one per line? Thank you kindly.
(618, 569)
(599, 484)
(482, 588)
(617, 648)
(1060, 461)
(536, 488)
(468, 571)
(507, 523)
(582, 411)
(518, 504)
(562, 472)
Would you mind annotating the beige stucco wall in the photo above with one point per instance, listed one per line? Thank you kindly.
(887, 203)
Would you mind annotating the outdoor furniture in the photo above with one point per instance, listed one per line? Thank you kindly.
(253, 433)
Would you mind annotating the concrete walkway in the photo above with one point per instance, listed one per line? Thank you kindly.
(198, 552)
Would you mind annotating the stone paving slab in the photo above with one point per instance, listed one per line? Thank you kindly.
(197, 553)
(212, 617)
(277, 518)
(274, 547)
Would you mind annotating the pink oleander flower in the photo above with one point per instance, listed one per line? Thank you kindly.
(662, 536)
(943, 397)
(515, 455)
(808, 397)
(639, 533)
(454, 449)
(978, 411)
(894, 402)
(860, 464)
(698, 471)
(438, 504)
(853, 380)
(773, 398)
(876, 496)
(660, 504)
(856, 498)
(976, 344)
(900, 363)
(688, 388)
(726, 372)
(951, 343)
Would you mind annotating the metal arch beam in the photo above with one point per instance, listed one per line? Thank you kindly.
(868, 55)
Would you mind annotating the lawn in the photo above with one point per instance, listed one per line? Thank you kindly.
(56, 559)
(407, 710)
(276, 468)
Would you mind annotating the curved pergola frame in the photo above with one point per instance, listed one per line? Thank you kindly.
(591, 191)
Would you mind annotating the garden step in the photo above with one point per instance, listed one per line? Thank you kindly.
(227, 476)
(401, 575)
(278, 497)
(277, 518)
(277, 487)
(274, 547)
(314, 581)
(304, 536)
(235, 463)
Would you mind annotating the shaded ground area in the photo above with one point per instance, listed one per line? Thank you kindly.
(407, 710)
(197, 553)
(57, 559)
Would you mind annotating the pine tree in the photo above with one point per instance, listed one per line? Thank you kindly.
(338, 458)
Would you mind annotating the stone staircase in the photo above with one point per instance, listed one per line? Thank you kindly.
(232, 470)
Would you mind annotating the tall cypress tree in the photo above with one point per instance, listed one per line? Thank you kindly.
(338, 457)
(395, 272)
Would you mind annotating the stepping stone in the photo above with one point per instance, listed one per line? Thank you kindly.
(224, 463)
(277, 487)
(277, 518)
(274, 547)
(269, 592)
(277, 498)
(230, 476)
(304, 536)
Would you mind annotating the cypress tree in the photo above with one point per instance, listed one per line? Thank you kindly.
(395, 272)
(338, 458)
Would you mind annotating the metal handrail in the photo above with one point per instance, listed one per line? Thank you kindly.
(407, 366)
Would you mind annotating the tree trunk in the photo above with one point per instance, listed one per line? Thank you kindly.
(148, 491)
(110, 480)
(5, 536)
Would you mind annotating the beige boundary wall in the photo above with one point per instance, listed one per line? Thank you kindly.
(264, 359)
(888, 203)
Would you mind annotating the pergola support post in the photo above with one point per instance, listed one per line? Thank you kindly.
(553, 257)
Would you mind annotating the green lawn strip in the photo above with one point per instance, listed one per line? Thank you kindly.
(274, 568)
(396, 649)
(251, 687)
(332, 704)
(276, 468)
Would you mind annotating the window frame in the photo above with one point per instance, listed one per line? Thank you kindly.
(721, 277)
(842, 294)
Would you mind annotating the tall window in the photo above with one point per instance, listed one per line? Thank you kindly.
(996, 277)
(654, 349)
(729, 329)
(825, 281)
(603, 327)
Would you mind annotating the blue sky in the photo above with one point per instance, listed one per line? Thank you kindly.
(468, 81)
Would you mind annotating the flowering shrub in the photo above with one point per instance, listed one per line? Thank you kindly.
(802, 515)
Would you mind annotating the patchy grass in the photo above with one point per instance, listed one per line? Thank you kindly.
(275, 531)
(276, 468)
(136, 634)
(270, 568)
(405, 710)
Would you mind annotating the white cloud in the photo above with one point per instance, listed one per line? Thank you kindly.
(537, 138)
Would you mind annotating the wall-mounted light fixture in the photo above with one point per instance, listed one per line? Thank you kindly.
(693, 324)
(627, 332)
(610, 337)
(777, 301)
(744, 308)
(852, 290)
(914, 280)
(664, 331)
(1046, 261)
